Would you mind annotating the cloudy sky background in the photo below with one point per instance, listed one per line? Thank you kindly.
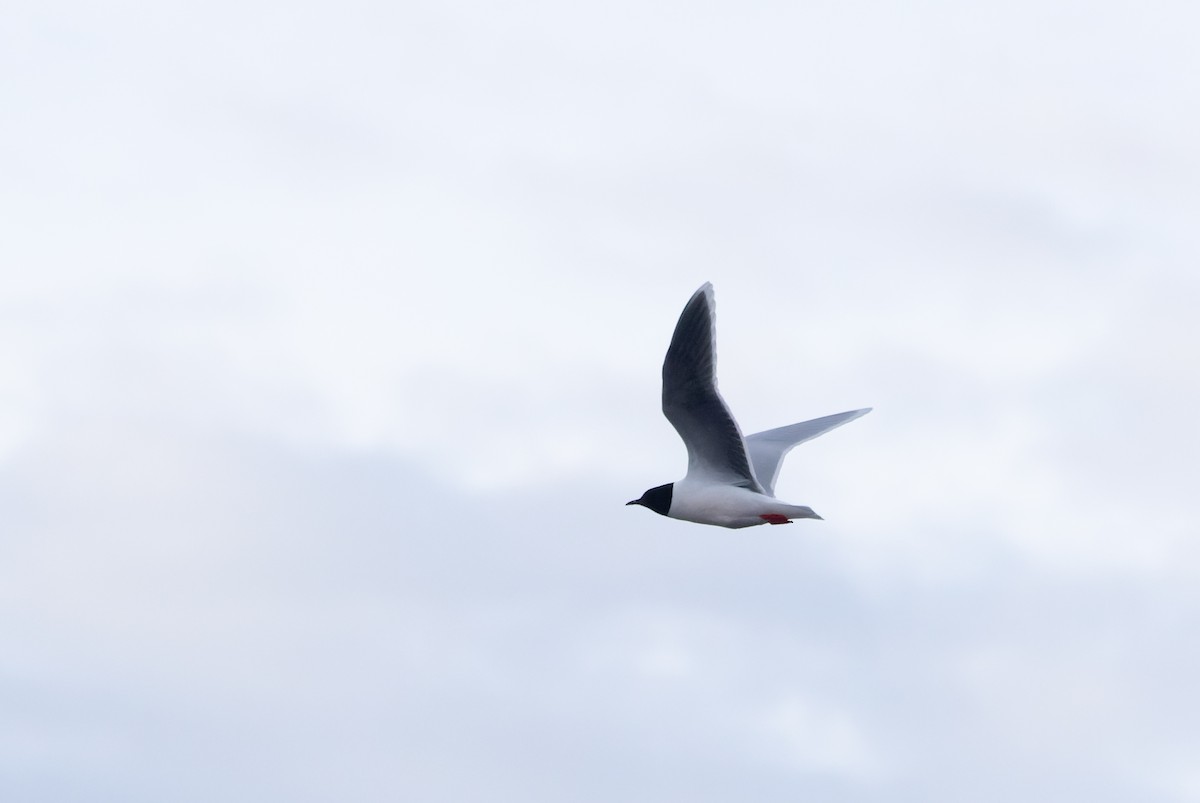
(331, 338)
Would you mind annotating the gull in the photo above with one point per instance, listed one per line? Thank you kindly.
(730, 480)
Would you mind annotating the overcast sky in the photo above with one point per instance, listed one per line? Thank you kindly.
(331, 336)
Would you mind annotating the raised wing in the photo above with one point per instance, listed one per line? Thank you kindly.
(692, 404)
(767, 449)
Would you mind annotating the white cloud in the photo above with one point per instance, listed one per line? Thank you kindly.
(816, 739)
(332, 338)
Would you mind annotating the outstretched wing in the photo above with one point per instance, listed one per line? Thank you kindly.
(690, 400)
(767, 449)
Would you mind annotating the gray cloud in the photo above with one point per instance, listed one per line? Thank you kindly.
(301, 623)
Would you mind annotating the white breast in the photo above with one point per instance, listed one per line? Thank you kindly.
(724, 505)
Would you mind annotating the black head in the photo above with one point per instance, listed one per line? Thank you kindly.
(657, 499)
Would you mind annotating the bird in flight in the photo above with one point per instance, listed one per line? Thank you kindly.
(730, 480)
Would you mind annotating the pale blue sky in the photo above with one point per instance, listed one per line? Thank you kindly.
(331, 347)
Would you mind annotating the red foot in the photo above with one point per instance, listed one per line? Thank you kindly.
(775, 518)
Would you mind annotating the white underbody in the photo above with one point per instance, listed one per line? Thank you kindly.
(728, 505)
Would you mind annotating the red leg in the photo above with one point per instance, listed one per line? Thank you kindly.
(775, 518)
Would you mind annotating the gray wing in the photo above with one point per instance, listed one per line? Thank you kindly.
(692, 404)
(767, 449)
